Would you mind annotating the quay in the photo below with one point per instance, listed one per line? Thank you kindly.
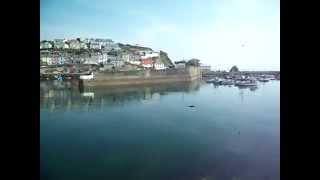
(120, 78)
(190, 73)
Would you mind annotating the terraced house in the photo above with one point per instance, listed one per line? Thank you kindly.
(45, 45)
(76, 44)
(60, 44)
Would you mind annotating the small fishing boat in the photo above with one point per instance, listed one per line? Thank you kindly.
(246, 83)
(263, 79)
(87, 77)
(266, 78)
(227, 82)
(216, 81)
(210, 80)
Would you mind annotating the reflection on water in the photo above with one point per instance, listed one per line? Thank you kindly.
(253, 88)
(149, 132)
(55, 95)
(65, 96)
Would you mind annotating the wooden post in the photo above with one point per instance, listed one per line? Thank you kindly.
(81, 88)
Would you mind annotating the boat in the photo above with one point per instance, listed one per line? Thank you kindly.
(246, 83)
(216, 81)
(87, 77)
(210, 80)
(263, 79)
(227, 82)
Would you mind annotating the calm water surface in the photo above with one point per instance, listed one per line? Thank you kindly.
(151, 133)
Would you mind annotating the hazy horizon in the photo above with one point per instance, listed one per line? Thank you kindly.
(220, 33)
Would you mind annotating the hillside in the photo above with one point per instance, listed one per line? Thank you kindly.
(165, 59)
(132, 48)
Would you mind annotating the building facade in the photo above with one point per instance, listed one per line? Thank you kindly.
(45, 45)
(180, 65)
(95, 45)
(61, 45)
(74, 44)
(131, 58)
(205, 68)
(147, 62)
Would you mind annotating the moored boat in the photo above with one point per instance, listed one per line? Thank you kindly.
(263, 79)
(246, 83)
(227, 82)
(210, 80)
(216, 81)
(87, 77)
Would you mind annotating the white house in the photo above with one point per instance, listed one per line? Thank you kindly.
(115, 60)
(97, 58)
(45, 45)
(108, 44)
(149, 54)
(91, 60)
(159, 65)
(144, 52)
(135, 62)
(74, 44)
(61, 45)
(95, 45)
(131, 58)
(46, 59)
(103, 58)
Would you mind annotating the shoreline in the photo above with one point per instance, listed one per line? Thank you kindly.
(148, 77)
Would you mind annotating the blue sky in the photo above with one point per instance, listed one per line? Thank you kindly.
(220, 33)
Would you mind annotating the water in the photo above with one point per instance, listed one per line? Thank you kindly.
(151, 133)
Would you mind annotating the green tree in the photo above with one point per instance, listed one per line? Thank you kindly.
(234, 69)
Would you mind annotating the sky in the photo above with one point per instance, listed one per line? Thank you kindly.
(220, 33)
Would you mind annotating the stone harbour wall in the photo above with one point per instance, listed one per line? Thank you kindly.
(190, 73)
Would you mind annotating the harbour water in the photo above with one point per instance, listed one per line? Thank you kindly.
(190, 131)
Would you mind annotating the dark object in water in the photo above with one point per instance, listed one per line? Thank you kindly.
(238, 132)
(191, 106)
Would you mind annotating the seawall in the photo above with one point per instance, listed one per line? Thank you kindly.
(188, 74)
